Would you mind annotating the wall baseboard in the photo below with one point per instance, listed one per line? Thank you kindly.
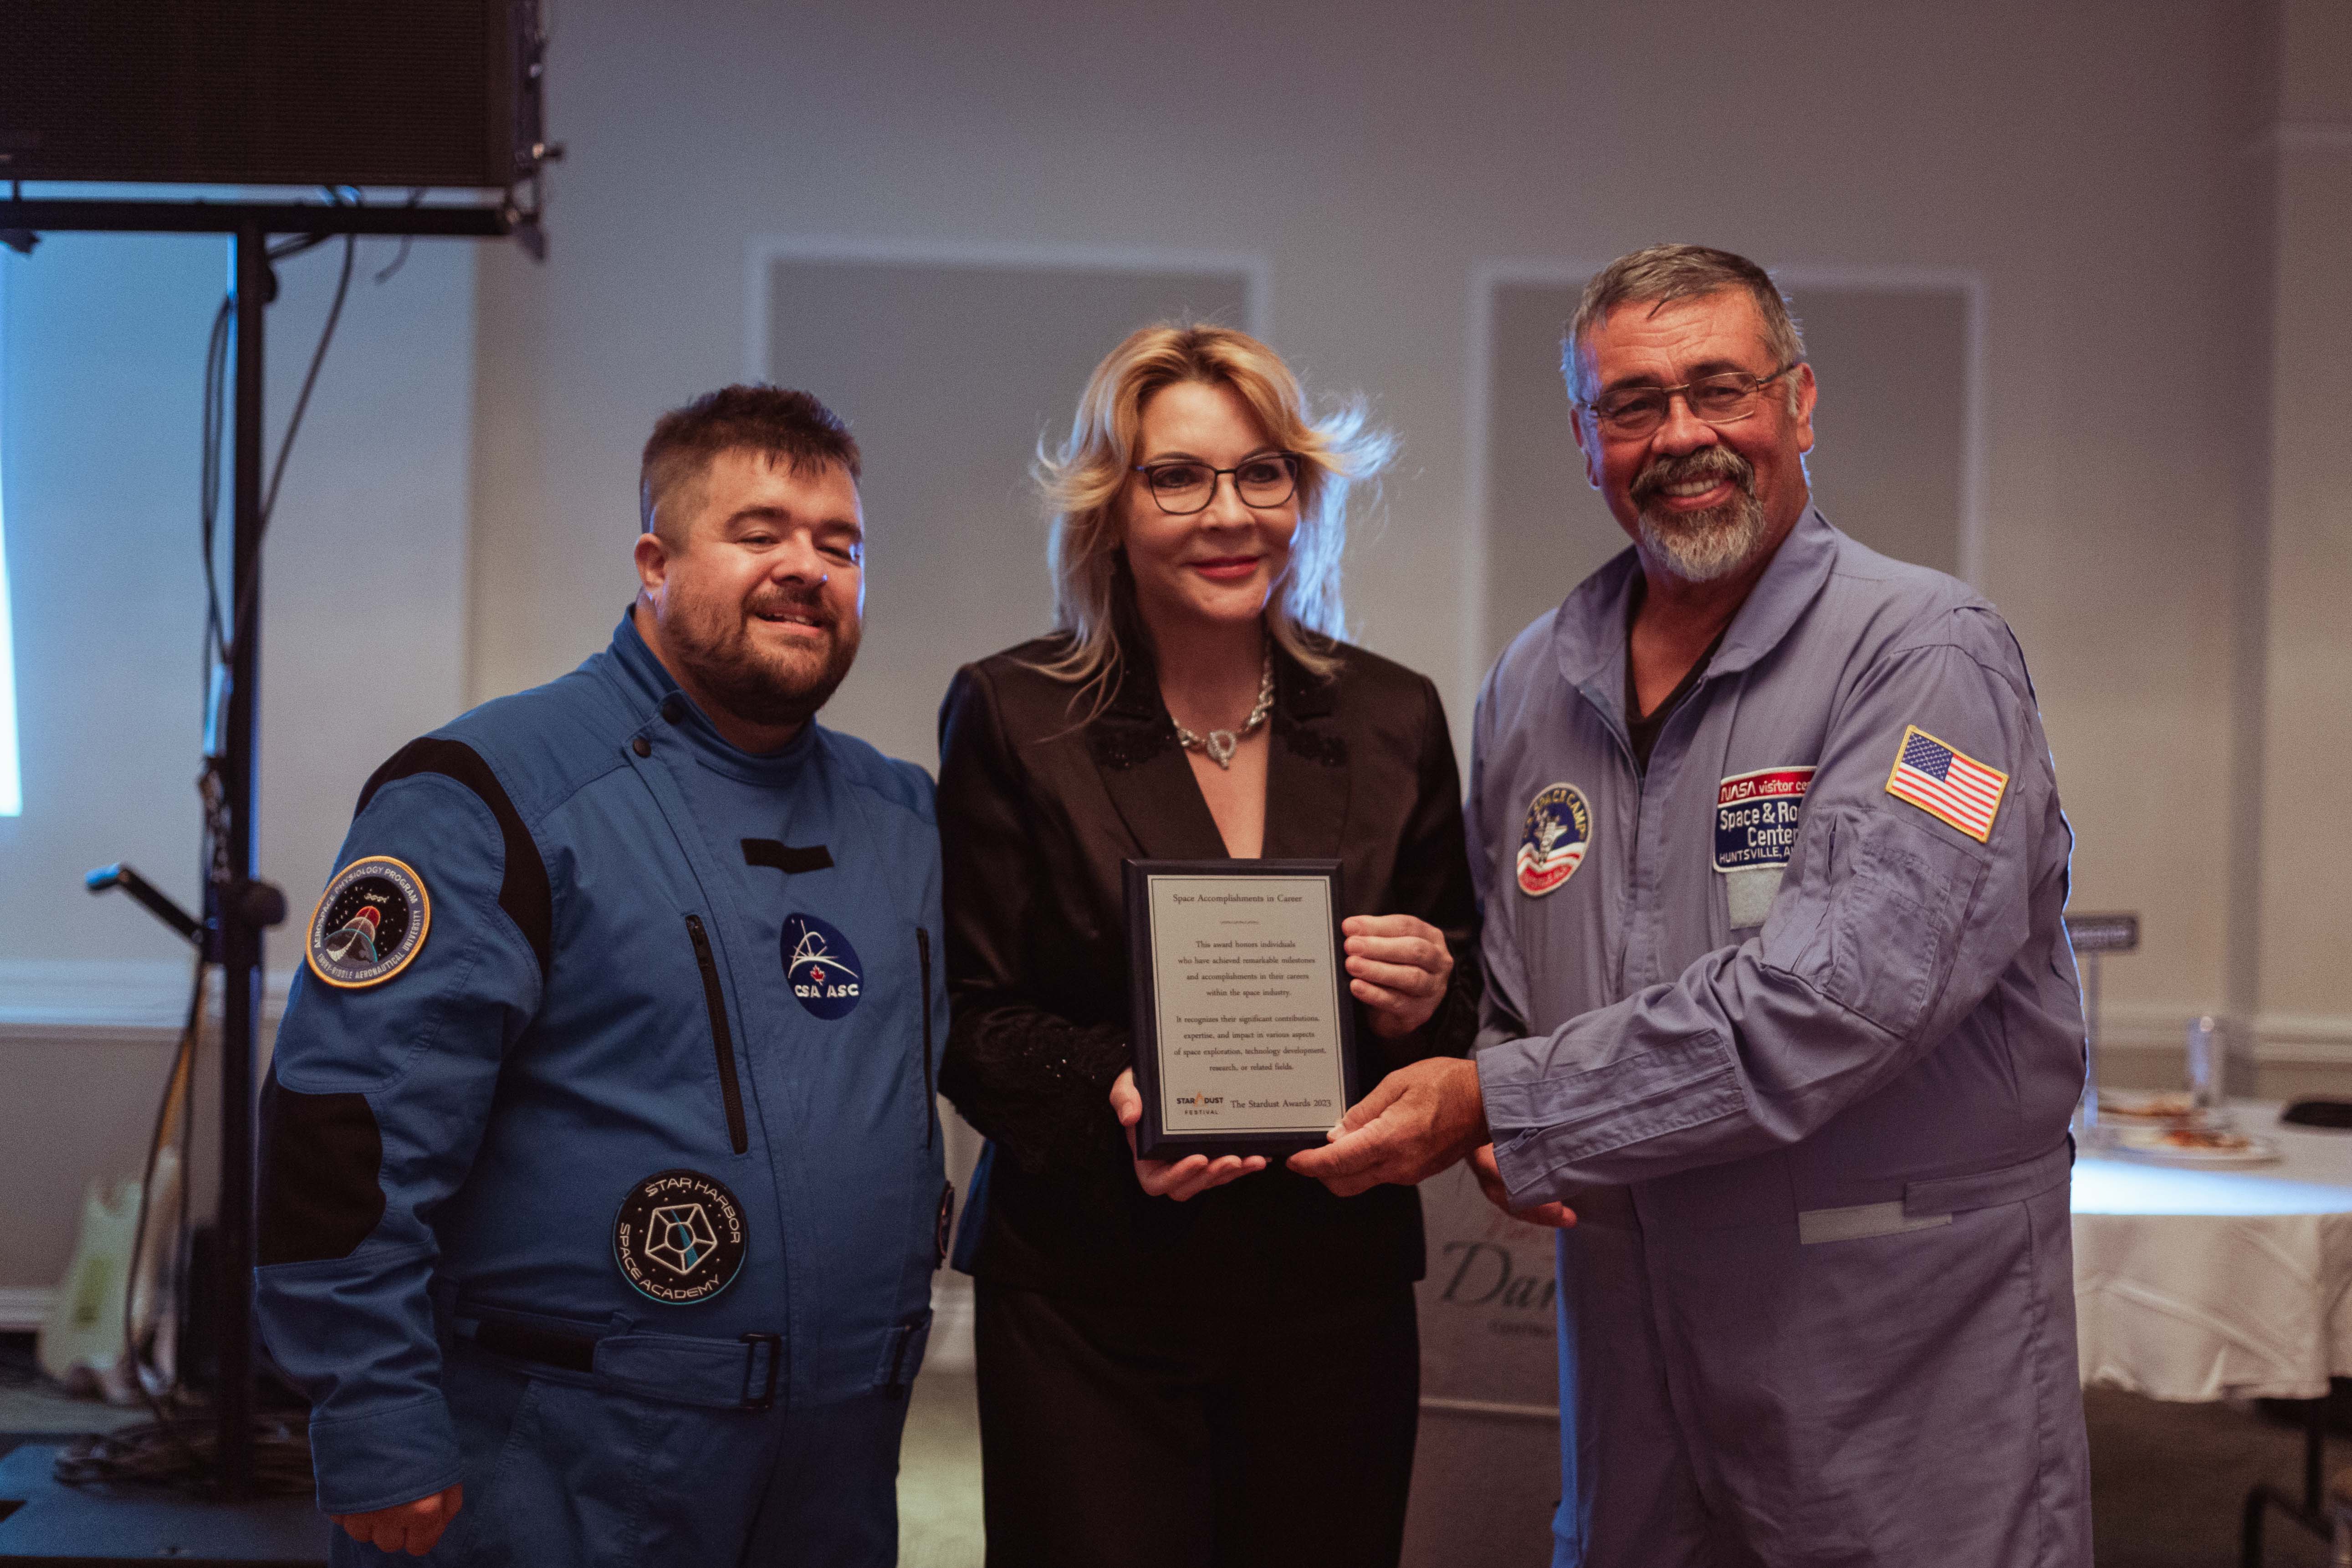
(2280, 1039)
(25, 1308)
(124, 1002)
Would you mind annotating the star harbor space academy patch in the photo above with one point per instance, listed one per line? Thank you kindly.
(1552, 843)
(679, 1237)
(369, 922)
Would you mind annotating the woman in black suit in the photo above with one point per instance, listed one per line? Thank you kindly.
(1191, 1363)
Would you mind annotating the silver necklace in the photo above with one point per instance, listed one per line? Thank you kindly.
(1220, 745)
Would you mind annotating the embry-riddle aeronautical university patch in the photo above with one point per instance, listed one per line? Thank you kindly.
(1551, 846)
(369, 923)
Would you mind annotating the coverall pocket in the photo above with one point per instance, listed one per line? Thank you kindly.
(1894, 913)
(722, 1038)
(591, 1477)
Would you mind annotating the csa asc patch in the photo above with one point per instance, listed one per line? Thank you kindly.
(369, 922)
(1552, 843)
(821, 966)
(1756, 817)
(679, 1237)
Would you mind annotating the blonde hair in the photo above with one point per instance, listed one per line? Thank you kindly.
(1083, 482)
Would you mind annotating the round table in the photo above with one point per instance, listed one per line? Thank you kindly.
(2214, 1283)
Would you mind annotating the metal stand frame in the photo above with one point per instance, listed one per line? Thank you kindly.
(2311, 1511)
(237, 932)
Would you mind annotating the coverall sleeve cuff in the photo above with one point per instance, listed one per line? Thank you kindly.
(393, 1457)
(1546, 1121)
(1503, 1074)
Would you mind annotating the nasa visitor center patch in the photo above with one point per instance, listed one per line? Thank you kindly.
(1756, 817)
(369, 923)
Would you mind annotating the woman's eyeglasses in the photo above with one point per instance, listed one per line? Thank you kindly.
(1183, 487)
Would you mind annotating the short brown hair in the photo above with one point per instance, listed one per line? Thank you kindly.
(784, 426)
(1663, 274)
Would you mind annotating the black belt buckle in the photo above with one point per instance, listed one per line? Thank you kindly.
(751, 1343)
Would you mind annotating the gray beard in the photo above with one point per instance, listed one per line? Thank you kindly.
(1701, 547)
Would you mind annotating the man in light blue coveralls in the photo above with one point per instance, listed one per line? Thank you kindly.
(1777, 1002)
(601, 1184)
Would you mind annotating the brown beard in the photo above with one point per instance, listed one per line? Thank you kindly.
(1701, 546)
(714, 646)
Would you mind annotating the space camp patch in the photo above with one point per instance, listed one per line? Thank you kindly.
(679, 1237)
(1756, 817)
(369, 922)
(1558, 831)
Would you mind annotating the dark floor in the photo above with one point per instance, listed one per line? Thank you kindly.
(2167, 1481)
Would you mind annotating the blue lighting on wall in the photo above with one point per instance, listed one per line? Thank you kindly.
(12, 794)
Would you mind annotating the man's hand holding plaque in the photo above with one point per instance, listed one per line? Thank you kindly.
(1420, 1119)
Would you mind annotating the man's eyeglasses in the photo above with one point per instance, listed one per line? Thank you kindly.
(1631, 411)
(1182, 488)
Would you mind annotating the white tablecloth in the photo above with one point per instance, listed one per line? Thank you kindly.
(2216, 1284)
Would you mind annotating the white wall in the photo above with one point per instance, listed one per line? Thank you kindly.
(2073, 159)
(2084, 164)
(364, 645)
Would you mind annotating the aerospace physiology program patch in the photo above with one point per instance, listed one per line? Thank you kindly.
(371, 920)
(821, 966)
(1552, 844)
(679, 1237)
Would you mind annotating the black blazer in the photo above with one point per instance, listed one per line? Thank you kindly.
(1036, 813)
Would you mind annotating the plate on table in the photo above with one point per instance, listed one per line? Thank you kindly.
(2218, 1146)
(2149, 1108)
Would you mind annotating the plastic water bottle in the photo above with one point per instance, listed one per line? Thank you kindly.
(2205, 1064)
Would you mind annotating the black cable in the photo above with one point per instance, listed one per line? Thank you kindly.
(208, 490)
(400, 258)
(310, 377)
(178, 1089)
(243, 623)
(159, 1455)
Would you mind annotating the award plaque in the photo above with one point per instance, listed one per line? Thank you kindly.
(1244, 1028)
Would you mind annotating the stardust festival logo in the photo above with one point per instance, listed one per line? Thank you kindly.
(1551, 846)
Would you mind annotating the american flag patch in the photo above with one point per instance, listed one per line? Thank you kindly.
(1946, 783)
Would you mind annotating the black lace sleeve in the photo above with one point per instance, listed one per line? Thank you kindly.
(1432, 881)
(1038, 1085)
(1034, 1081)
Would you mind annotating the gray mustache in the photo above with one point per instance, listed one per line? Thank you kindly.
(1708, 463)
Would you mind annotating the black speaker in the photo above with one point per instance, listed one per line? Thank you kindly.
(292, 92)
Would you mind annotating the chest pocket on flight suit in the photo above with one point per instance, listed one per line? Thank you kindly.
(1873, 926)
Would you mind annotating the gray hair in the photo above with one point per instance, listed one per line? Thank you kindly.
(1660, 275)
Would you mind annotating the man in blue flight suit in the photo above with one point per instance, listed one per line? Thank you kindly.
(1777, 997)
(601, 1184)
